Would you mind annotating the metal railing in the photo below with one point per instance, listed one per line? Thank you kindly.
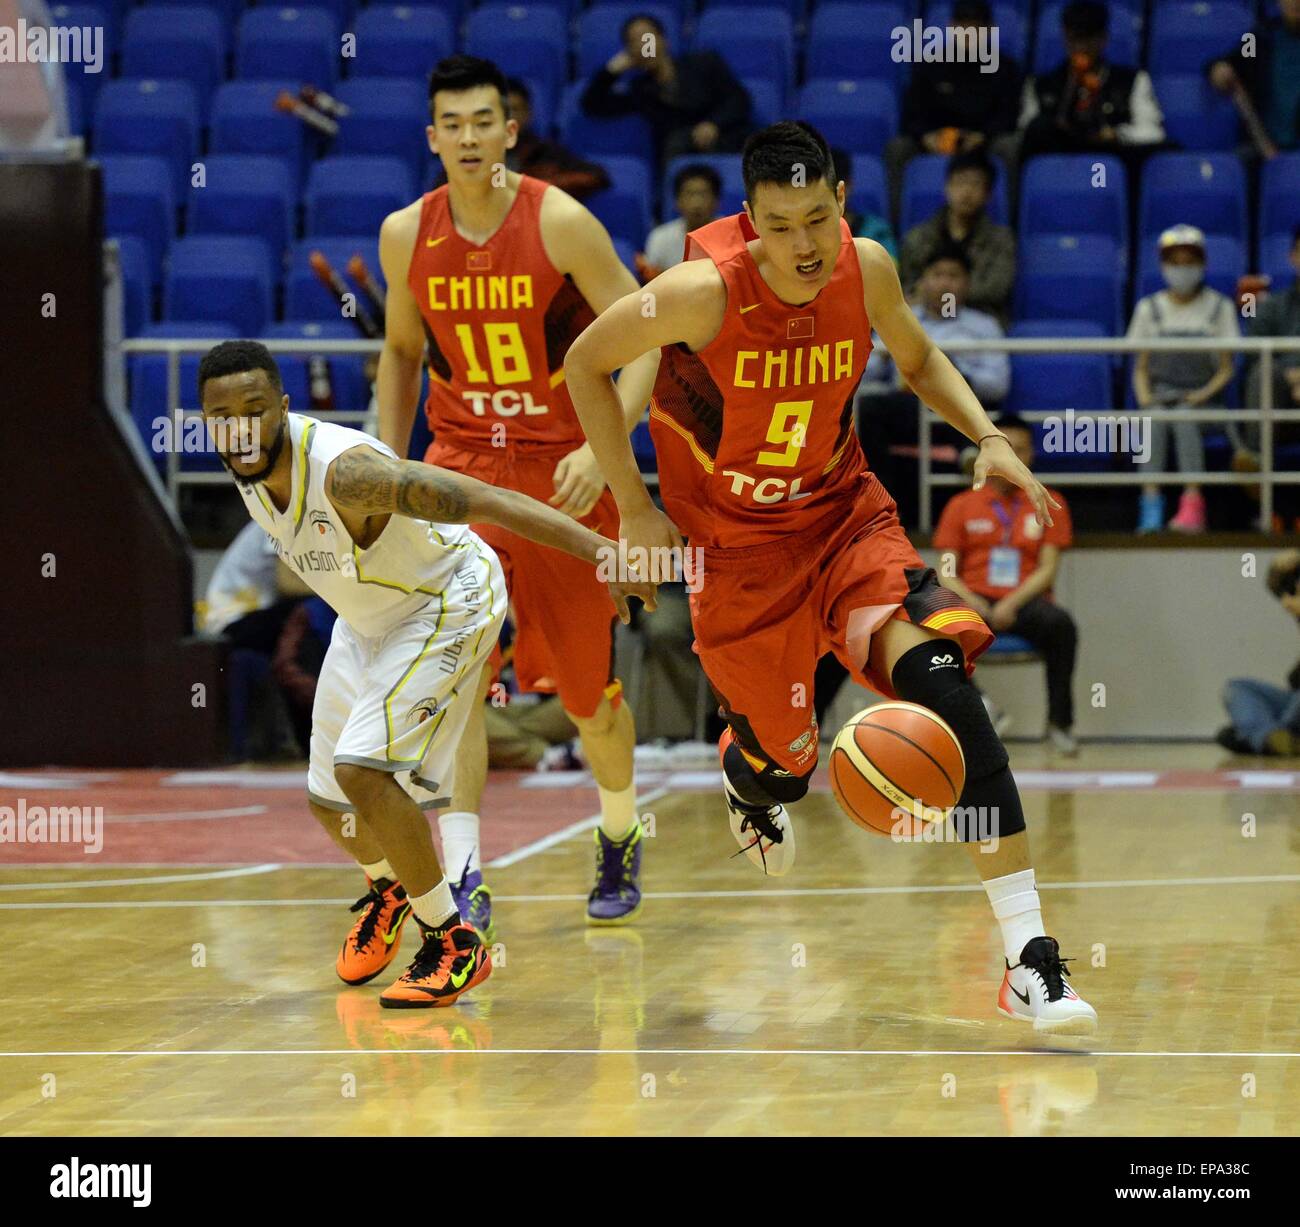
(1267, 414)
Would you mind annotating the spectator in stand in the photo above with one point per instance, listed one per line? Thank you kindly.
(1270, 74)
(964, 222)
(1187, 308)
(299, 654)
(888, 411)
(863, 225)
(696, 191)
(693, 104)
(954, 106)
(1086, 104)
(1278, 316)
(548, 160)
(1006, 565)
(1265, 719)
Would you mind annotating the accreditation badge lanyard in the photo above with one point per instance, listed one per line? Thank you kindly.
(1004, 559)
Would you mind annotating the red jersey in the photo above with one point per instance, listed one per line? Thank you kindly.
(499, 320)
(998, 538)
(755, 433)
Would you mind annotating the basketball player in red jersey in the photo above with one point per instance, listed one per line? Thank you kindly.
(765, 330)
(496, 273)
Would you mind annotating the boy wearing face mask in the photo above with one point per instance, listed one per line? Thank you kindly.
(1187, 308)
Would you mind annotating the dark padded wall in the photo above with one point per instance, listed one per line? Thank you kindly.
(97, 665)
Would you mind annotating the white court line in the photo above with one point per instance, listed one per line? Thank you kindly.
(243, 871)
(1076, 1053)
(790, 892)
(558, 837)
(188, 815)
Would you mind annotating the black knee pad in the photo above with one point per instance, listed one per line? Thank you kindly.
(770, 786)
(934, 675)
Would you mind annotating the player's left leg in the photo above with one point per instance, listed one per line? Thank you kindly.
(608, 739)
(928, 667)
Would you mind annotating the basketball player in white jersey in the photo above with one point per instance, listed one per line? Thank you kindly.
(420, 600)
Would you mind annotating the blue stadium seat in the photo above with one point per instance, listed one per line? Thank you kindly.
(543, 95)
(528, 39)
(75, 103)
(139, 201)
(353, 195)
(244, 194)
(1279, 196)
(219, 278)
(599, 26)
(244, 120)
(227, 10)
(1059, 194)
(1121, 48)
(388, 119)
(767, 101)
(1056, 328)
(628, 134)
(1071, 277)
(305, 297)
(137, 287)
(180, 41)
(849, 41)
(1205, 190)
(624, 207)
(76, 77)
(1275, 260)
(860, 116)
(1225, 261)
(300, 43)
(1197, 117)
(400, 41)
(626, 252)
(867, 190)
(755, 41)
(1061, 381)
(151, 117)
(728, 167)
(1011, 21)
(147, 382)
(347, 376)
(923, 194)
(1186, 35)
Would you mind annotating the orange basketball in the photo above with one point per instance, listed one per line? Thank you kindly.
(896, 767)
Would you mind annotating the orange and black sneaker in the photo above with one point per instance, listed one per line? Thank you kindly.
(451, 962)
(374, 939)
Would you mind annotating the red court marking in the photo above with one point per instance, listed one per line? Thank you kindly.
(285, 832)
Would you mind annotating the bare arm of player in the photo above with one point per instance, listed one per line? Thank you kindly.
(932, 376)
(397, 383)
(579, 246)
(688, 303)
(366, 481)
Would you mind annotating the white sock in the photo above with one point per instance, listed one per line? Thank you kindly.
(380, 869)
(435, 906)
(1015, 904)
(459, 830)
(617, 811)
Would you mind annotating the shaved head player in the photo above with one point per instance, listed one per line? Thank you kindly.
(765, 330)
(497, 273)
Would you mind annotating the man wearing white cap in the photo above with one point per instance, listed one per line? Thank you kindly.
(1187, 308)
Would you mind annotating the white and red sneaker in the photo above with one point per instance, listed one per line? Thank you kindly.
(1035, 991)
(765, 834)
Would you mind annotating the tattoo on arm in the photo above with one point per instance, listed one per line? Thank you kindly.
(363, 480)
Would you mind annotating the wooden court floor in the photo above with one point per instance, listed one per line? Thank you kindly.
(855, 996)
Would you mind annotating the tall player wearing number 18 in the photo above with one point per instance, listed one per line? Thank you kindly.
(765, 329)
(497, 273)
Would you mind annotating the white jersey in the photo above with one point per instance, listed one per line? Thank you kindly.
(372, 590)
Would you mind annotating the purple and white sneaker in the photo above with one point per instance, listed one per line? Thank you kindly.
(616, 897)
(474, 903)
